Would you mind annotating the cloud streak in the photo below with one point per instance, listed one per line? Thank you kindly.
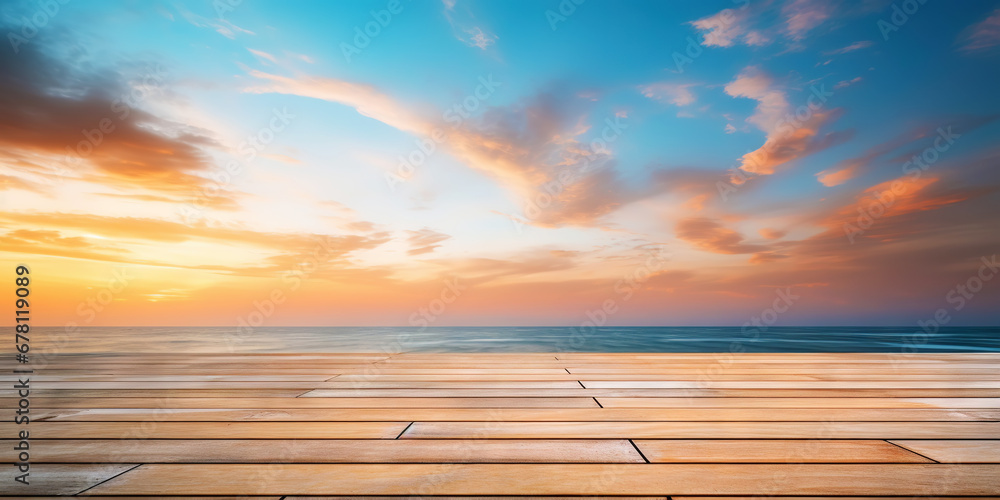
(791, 133)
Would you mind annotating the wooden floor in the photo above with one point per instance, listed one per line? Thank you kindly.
(489, 425)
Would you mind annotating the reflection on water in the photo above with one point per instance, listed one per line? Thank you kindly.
(515, 339)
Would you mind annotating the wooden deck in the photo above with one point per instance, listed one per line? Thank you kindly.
(485, 425)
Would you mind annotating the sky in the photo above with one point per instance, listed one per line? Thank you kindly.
(429, 163)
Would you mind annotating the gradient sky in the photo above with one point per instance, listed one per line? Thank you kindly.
(670, 163)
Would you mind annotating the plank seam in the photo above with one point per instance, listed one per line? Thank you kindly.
(130, 469)
(641, 454)
(598, 402)
(404, 430)
(581, 384)
(911, 451)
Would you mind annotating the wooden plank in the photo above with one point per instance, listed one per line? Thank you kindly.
(300, 386)
(774, 451)
(703, 430)
(938, 497)
(628, 377)
(291, 386)
(110, 395)
(957, 451)
(210, 430)
(59, 479)
(332, 451)
(471, 385)
(557, 479)
(494, 497)
(903, 356)
(659, 393)
(352, 402)
(92, 377)
(815, 402)
(185, 497)
(708, 371)
(520, 414)
(790, 384)
(475, 413)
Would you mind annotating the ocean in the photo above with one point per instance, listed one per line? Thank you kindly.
(513, 339)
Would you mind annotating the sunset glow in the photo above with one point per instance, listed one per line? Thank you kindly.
(500, 163)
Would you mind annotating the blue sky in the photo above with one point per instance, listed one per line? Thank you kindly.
(702, 154)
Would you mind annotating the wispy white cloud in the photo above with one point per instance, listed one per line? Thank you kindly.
(753, 25)
(220, 26)
(675, 93)
(465, 28)
(366, 99)
(479, 38)
(725, 27)
(263, 55)
(863, 44)
(846, 83)
(424, 241)
(802, 16)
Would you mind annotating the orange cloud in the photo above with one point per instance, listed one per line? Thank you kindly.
(792, 133)
(425, 241)
(365, 99)
(836, 177)
(772, 234)
(289, 248)
(899, 197)
(532, 147)
(849, 169)
(127, 146)
(15, 182)
(711, 236)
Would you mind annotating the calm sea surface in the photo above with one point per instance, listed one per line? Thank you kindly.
(515, 339)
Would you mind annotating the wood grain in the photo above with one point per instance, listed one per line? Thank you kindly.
(803, 426)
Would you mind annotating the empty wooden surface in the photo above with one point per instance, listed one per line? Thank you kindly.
(487, 425)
